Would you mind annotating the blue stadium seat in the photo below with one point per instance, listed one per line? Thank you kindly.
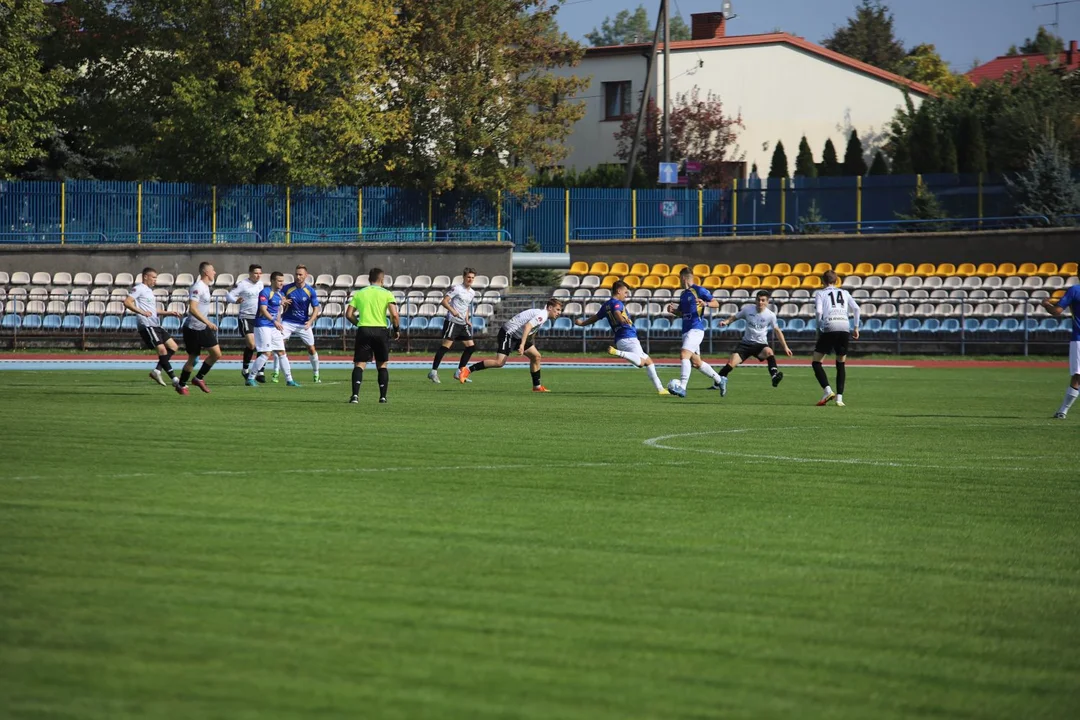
(660, 325)
(910, 325)
(562, 324)
(419, 323)
(873, 325)
(795, 325)
(170, 323)
(479, 324)
(1009, 325)
(72, 322)
(640, 324)
(1049, 325)
(1032, 324)
(404, 325)
(1066, 325)
(10, 322)
(811, 325)
(110, 323)
(436, 323)
(780, 322)
(31, 322)
(230, 325)
(971, 325)
(324, 325)
(891, 325)
(950, 325)
(52, 322)
(990, 325)
(676, 325)
(131, 323)
(92, 322)
(738, 326)
(930, 325)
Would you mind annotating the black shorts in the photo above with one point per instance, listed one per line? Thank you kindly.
(509, 345)
(154, 336)
(195, 341)
(747, 350)
(372, 342)
(246, 325)
(832, 343)
(456, 331)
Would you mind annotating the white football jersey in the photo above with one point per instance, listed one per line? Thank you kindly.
(145, 301)
(461, 299)
(247, 294)
(758, 324)
(835, 309)
(515, 326)
(200, 293)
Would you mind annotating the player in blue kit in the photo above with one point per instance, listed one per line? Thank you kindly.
(627, 345)
(301, 310)
(690, 304)
(1071, 300)
(269, 340)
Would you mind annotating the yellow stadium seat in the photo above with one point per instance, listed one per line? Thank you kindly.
(761, 269)
(860, 270)
(608, 281)
(884, 270)
(1027, 269)
(1068, 269)
(791, 282)
(652, 281)
(904, 270)
(1005, 270)
(945, 270)
(619, 269)
(671, 282)
(599, 268)
(702, 270)
(751, 282)
(802, 269)
(811, 282)
(925, 270)
(845, 269)
(1047, 269)
(633, 281)
(965, 269)
(676, 269)
(721, 269)
(781, 269)
(732, 282)
(712, 282)
(741, 269)
(986, 270)
(579, 268)
(660, 269)
(639, 269)
(1058, 294)
(770, 282)
(822, 267)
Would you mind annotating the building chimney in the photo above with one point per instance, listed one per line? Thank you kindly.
(1071, 57)
(707, 26)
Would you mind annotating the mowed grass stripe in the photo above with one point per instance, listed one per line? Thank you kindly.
(595, 577)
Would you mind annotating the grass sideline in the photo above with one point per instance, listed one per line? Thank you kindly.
(481, 551)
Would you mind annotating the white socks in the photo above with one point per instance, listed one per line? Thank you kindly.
(684, 376)
(283, 361)
(651, 369)
(1070, 397)
(314, 358)
(828, 390)
(705, 369)
(277, 363)
(257, 366)
(633, 358)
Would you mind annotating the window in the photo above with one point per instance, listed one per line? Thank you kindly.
(616, 100)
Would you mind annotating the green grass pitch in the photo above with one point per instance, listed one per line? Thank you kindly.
(486, 552)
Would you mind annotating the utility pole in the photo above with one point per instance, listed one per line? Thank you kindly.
(649, 74)
(1057, 9)
(667, 82)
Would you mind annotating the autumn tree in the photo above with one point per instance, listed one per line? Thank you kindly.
(700, 131)
(634, 27)
(869, 36)
(924, 64)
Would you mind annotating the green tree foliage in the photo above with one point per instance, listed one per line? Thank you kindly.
(535, 277)
(854, 162)
(971, 145)
(830, 165)
(635, 27)
(879, 165)
(1044, 43)
(924, 206)
(779, 166)
(804, 161)
(29, 92)
(812, 217)
(924, 65)
(1046, 187)
(869, 36)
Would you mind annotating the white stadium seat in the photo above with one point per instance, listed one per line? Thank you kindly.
(17, 307)
(480, 282)
(61, 279)
(953, 281)
(402, 282)
(572, 309)
(41, 278)
(35, 307)
(992, 283)
(95, 307)
(361, 281)
(58, 294)
(124, 279)
(873, 282)
(114, 308)
(185, 280)
(165, 280)
(176, 307)
(913, 282)
(499, 282)
(893, 281)
(83, 279)
(20, 278)
(75, 307)
(570, 281)
(325, 280)
(590, 281)
(428, 310)
(103, 279)
(343, 282)
(223, 280)
(4, 278)
(440, 282)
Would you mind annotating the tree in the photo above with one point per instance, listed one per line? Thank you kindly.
(29, 92)
(869, 37)
(971, 150)
(924, 65)
(830, 165)
(924, 143)
(634, 27)
(700, 131)
(779, 166)
(879, 166)
(1044, 43)
(924, 206)
(1045, 187)
(854, 162)
(804, 161)
(810, 223)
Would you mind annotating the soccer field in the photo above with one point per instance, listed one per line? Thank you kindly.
(483, 551)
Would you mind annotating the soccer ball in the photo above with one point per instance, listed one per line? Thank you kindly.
(675, 388)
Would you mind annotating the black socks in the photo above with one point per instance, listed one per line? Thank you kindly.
(185, 375)
(164, 364)
(466, 355)
(357, 378)
(841, 376)
(535, 377)
(725, 370)
(771, 360)
(248, 354)
(206, 367)
(476, 366)
(819, 373)
(438, 357)
(384, 380)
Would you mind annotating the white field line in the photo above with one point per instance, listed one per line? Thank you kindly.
(143, 363)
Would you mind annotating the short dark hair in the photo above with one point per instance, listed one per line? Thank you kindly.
(554, 302)
(374, 274)
(147, 270)
(253, 267)
(275, 275)
(830, 277)
(685, 271)
(619, 285)
(203, 265)
(301, 267)
(763, 293)
(468, 270)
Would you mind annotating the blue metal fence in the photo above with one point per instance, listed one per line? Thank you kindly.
(80, 210)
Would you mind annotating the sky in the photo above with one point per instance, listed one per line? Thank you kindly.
(962, 30)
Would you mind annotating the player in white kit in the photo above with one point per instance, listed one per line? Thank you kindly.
(838, 322)
(200, 332)
(246, 292)
(458, 326)
(755, 340)
(516, 338)
(143, 304)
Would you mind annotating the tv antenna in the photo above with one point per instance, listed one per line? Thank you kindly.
(729, 12)
(1057, 9)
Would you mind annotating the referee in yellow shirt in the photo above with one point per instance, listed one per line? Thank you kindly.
(367, 310)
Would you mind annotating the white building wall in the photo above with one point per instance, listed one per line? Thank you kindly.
(782, 93)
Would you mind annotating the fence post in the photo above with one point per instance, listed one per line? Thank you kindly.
(359, 211)
(980, 199)
(498, 215)
(288, 214)
(566, 221)
(700, 211)
(138, 216)
(431, 227)
(735, 206)
(783, 203)
(63, 210)
(633, 214)
(858, 205)
(213, 214)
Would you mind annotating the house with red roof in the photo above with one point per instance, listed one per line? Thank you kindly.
(782, 85)
(998, 68)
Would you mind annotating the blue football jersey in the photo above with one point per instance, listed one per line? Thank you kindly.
(302, 298)
(621, 324)
(688, 307)
(271, 300)
(1071, 300)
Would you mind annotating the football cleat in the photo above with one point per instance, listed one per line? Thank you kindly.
(315, 379)
(612, 351)
(1059, 416)
(433, 376)
(676, 389)
(540, 388)
(777, 378)
(457, 375)
(840, 403)
(383, 400)
(825, 400)
(244, 373)
(260, 378)
(250, 382)
(201, 384)
(274, 378)
(155, 375)
(292, 383)
(663, 391)
(354, 400)
(181, 389)
(723, 386)
(463, 375)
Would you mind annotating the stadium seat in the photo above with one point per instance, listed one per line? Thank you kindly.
(421, 323)
(732, 282)
(590, 281)
(1005, 270)
(761, 269)
(844, 269)
(639, 269)
(130, 322)
(742, 270)
(1033, 282)
(572, 309)
(103, 279)
(51, 322)
(861, 270)
(598, 268)
(60, 279)
(945, 270)
(11, 321)
(632, 280)
(111, 323)
(480, 282)
(183, 280)
(678, 268)
(721, 269)
(796, 325)
(651, 281)
(702, 270)
(790, 282)
(904, 270)
(660, 324)
(660, 269)
(568, 281)
(41, 278)
(1028, 268)
(1009, 325)
(872, 325)
(563, 324)
(965, 270)
(1048, 325)
(609, 281)
(950, 325)
(752, 282)
(579, 268)
(971, 324)
(1069, 268)
(989, 325)
(811, 282)
(883, 269)
(769, 283)
(435, 324)
(780, 269)
(170, 323)
(479, 325)
(498, 282)
(71, 322)
(712, 282)
(820, 268)
(985, 270)
(83, 279)
(925, 270)
(911, 325)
